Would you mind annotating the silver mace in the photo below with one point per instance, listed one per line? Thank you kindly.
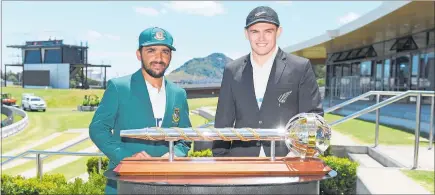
(303, 122)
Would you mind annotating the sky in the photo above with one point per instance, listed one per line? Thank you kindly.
(111, 28)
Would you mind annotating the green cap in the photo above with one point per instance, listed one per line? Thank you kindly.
(156, 36)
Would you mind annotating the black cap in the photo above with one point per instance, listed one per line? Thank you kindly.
(262, 14)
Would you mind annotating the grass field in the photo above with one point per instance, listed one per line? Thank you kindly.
(424, 178)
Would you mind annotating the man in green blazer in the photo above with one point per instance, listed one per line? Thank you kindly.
(142, 99)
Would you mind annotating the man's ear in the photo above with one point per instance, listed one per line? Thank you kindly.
(138, 55)
(278, 32)
(246, 34)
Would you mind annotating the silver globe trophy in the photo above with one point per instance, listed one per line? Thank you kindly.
(306, 135)
(309, 135)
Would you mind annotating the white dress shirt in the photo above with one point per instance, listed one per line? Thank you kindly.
(158, 101)
(260, 75)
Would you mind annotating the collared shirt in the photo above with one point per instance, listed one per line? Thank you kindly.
(158, 101)
(261, 76)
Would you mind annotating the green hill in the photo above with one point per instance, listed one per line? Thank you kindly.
(207, 69)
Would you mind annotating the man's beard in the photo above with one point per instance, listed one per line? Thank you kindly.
(153, 73)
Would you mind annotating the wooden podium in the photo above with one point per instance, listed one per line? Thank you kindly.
(220, 175)
(308, 132)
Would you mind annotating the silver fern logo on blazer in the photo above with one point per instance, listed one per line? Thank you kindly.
(283, 97)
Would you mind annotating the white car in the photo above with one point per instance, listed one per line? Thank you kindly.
(31, 102)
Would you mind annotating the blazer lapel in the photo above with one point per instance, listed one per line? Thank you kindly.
(280, 65)
(170, 98)
(248, 81)
(275, 74)
(140, 91)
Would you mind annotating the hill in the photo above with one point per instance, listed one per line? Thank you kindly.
(201, 70)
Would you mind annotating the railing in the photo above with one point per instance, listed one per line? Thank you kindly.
(17, 126)
(396, 97)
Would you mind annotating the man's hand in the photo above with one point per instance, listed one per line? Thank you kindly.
(167, 155)
(141, 155)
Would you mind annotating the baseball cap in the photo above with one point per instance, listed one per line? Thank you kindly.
(262, 14)
(156, 36)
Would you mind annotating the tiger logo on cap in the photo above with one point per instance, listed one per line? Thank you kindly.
(159, 36)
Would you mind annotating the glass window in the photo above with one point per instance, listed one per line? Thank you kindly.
(33, 57)
(427, 72)
(337, 70)
(53, 56)
(355, 69)
(346, 70)
(387, 68)
(366, 68)
(379, 69)
(343, 55)
(414, 65)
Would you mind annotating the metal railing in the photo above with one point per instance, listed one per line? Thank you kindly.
(396, 97)
(38, 153)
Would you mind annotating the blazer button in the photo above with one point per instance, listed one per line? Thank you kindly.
(260, 122)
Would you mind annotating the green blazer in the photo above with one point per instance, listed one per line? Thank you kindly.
(126, 105)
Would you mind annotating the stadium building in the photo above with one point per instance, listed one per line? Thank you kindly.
(389, 49)
(55, 64)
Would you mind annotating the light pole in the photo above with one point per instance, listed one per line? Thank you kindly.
(332, 34)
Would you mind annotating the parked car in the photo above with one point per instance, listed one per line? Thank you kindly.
(32, 102)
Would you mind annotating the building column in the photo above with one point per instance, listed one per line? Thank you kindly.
(104, 85)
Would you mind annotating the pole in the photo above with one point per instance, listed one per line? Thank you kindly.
(272, 150)
(432, 125)
(38, 166)
(171, 151)
(378, 97)
(417, 131)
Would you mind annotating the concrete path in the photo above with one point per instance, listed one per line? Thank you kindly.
(386, 181)
(405, 156)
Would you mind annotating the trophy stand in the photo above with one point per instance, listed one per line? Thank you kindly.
(307, 135)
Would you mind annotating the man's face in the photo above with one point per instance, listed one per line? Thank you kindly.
(262, 37)
(155, 59)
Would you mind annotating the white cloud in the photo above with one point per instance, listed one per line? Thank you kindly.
(163, 11)
(349, 17)
(286, 3)
(204, 8)
(93, 35)
(149, 11)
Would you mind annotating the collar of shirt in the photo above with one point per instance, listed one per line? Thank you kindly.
(268, 64)
(154, 90)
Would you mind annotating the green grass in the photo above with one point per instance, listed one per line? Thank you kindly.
(197, 120)
(200, 102)
(43, 124)
(364, 132)
(424, 178)
(64, 137)
(73, 169)
(55, 98)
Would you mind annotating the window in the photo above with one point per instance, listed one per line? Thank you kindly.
(32, 57)
(387, 68)
(415, 59)
(53, 56)
(355, 69)
(379, 69)
(343, 55)
(404, 44)
(353, 54)
(366, 68)
(35, 99)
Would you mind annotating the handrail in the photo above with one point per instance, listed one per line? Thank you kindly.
(398, 96)
(365, 95)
